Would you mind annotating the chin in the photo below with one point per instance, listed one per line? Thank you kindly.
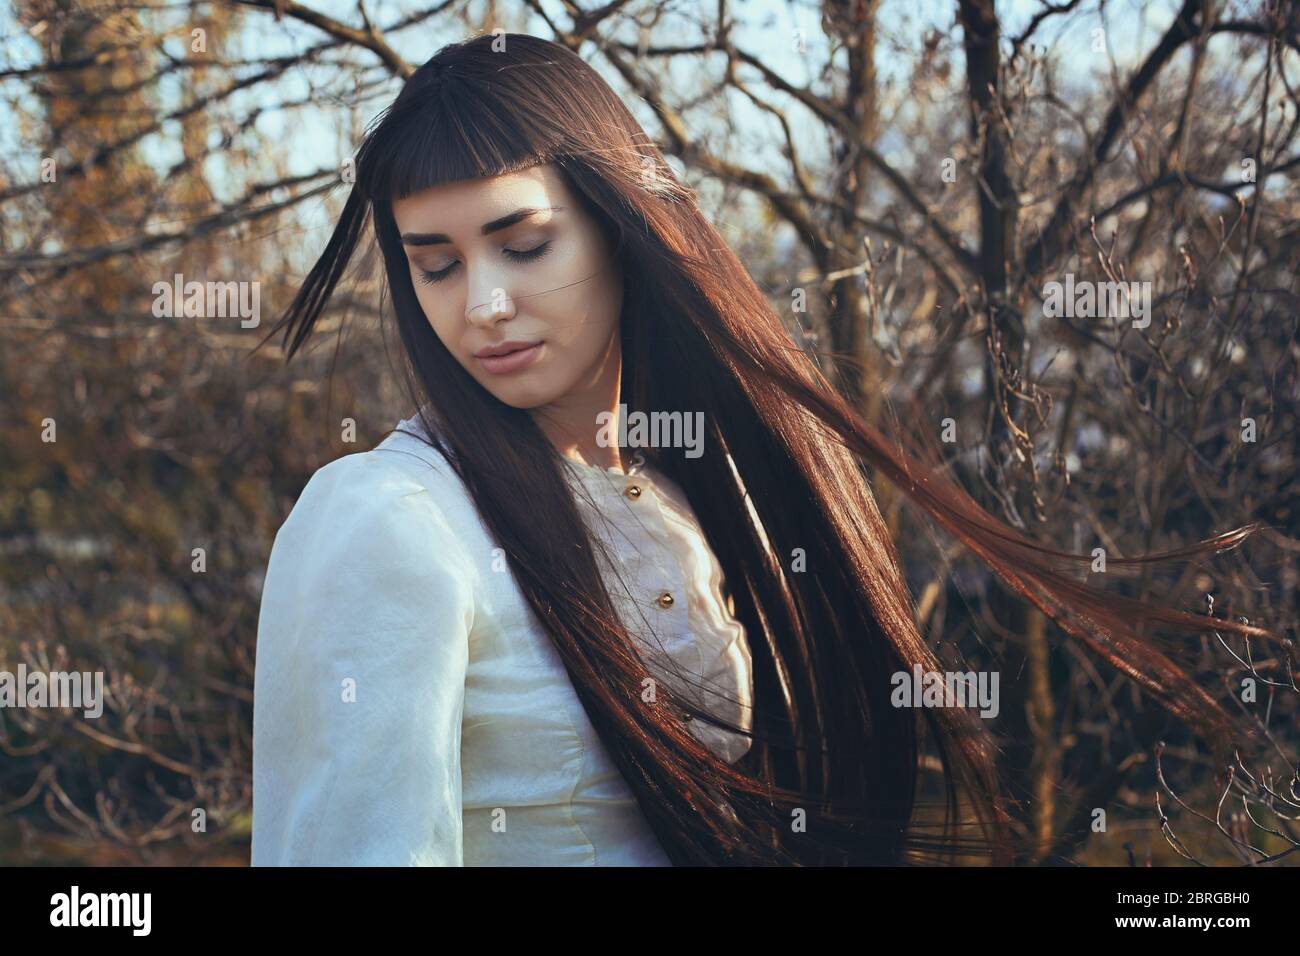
(525, 398)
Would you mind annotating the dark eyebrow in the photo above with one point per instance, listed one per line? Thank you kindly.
(496, 225)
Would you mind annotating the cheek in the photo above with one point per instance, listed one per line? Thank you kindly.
(584, 303)
(439, 314)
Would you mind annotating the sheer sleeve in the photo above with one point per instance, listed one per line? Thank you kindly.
(359, 687)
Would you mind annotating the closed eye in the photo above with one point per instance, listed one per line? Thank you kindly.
(518, 255)
(528, 255)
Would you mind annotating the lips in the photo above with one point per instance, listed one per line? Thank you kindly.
(509, 357)
(505, 348)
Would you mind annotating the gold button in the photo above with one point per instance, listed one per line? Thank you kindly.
(633, 492)
(666, 599)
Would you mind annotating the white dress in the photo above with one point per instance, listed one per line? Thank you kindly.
(409, 709)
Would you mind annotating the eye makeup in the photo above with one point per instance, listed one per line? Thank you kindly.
(428, 277)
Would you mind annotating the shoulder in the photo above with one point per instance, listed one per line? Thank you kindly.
(399, 503)
(400, 480)
(372, 545)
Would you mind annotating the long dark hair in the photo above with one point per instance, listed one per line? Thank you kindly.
(828, 746)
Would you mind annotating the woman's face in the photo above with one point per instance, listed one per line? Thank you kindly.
(516, 259)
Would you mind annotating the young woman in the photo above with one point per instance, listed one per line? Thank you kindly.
(501, 637)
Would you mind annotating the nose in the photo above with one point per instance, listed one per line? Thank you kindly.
(488, 300)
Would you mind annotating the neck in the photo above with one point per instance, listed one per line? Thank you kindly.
(571, 423)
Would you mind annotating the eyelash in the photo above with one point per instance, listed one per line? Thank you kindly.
(518, 255)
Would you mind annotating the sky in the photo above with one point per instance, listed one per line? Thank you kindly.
(317, 137)
(766, 27)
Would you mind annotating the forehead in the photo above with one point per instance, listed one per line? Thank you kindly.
(462, 207)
